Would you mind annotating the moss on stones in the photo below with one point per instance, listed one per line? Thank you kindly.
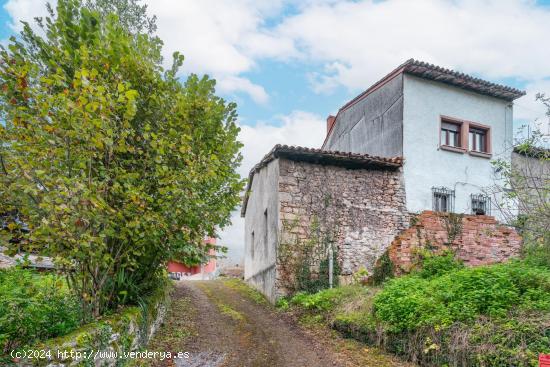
(122, 332)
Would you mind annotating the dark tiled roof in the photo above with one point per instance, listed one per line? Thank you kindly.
(318, 156)
(461, 80)
(439, 74)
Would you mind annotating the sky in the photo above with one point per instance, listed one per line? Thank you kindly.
(289, 64)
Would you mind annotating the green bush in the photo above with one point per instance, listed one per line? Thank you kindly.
(326, 300)
(444, 314)
(34, 307)
(435, 265)
(383, 270)
(412, 302)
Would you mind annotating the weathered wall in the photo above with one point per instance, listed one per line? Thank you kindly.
(480, 240)
(261, 230)
(366, 205)
(426, 165)
(106, 341)
(533, 174)
(373, 125)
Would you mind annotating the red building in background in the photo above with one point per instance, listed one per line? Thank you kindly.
(178, 270)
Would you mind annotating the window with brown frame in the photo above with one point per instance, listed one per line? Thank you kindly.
(477, 141)
(450, 134)
(463, 136)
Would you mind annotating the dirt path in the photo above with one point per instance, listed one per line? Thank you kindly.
(224, 323)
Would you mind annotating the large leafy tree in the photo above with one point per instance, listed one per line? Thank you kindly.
(115, 165)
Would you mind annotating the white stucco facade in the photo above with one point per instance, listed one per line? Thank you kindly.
(262, 230)
(427, 165)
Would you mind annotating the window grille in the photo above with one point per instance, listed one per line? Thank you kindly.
(481, 204)
(443, 199)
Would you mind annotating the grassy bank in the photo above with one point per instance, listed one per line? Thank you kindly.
(445, 314)
(34, 307)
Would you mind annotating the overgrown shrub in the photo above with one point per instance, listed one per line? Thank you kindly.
(34, 307)
(489, 342)
(444, 314)
(311, 282)
(435, 265)
(383, 270)
(116, 163)
(326, 300)
(412, 302)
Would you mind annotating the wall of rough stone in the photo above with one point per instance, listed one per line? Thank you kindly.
(478, 239)
(367, 206)
(101, 342)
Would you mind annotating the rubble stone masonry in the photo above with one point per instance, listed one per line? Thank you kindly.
(366, 207)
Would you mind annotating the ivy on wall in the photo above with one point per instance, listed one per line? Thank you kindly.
(305, 246)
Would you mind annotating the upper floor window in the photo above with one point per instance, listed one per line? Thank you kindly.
(463, 136)
(450, 134)
(478, 140)
(443, 199)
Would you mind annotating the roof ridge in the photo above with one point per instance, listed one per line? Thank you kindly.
(461, 74)
(443, 75)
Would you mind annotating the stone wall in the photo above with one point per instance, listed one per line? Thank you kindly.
(476, 239)
(97, 343)
(364, 207)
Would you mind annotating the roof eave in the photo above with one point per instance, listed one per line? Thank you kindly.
(318, 156)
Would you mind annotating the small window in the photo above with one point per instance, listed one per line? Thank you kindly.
(478, 140)
(481, 204)
(450, 134)
(442, 199)
(252, 244)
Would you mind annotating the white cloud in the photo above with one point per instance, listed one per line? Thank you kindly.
(530, 114)
(360, 41)
(527, 107)
(297, 128)
(238, 84)
(221, 38)
(356, 41)
(26, 10)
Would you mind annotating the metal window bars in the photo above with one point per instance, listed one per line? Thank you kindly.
(481, 204)
(443, 199)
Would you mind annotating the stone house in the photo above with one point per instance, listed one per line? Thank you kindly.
(292, 185)
(418, 141)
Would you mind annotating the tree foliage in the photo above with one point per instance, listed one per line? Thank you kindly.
(115, 165)
(526, 201)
